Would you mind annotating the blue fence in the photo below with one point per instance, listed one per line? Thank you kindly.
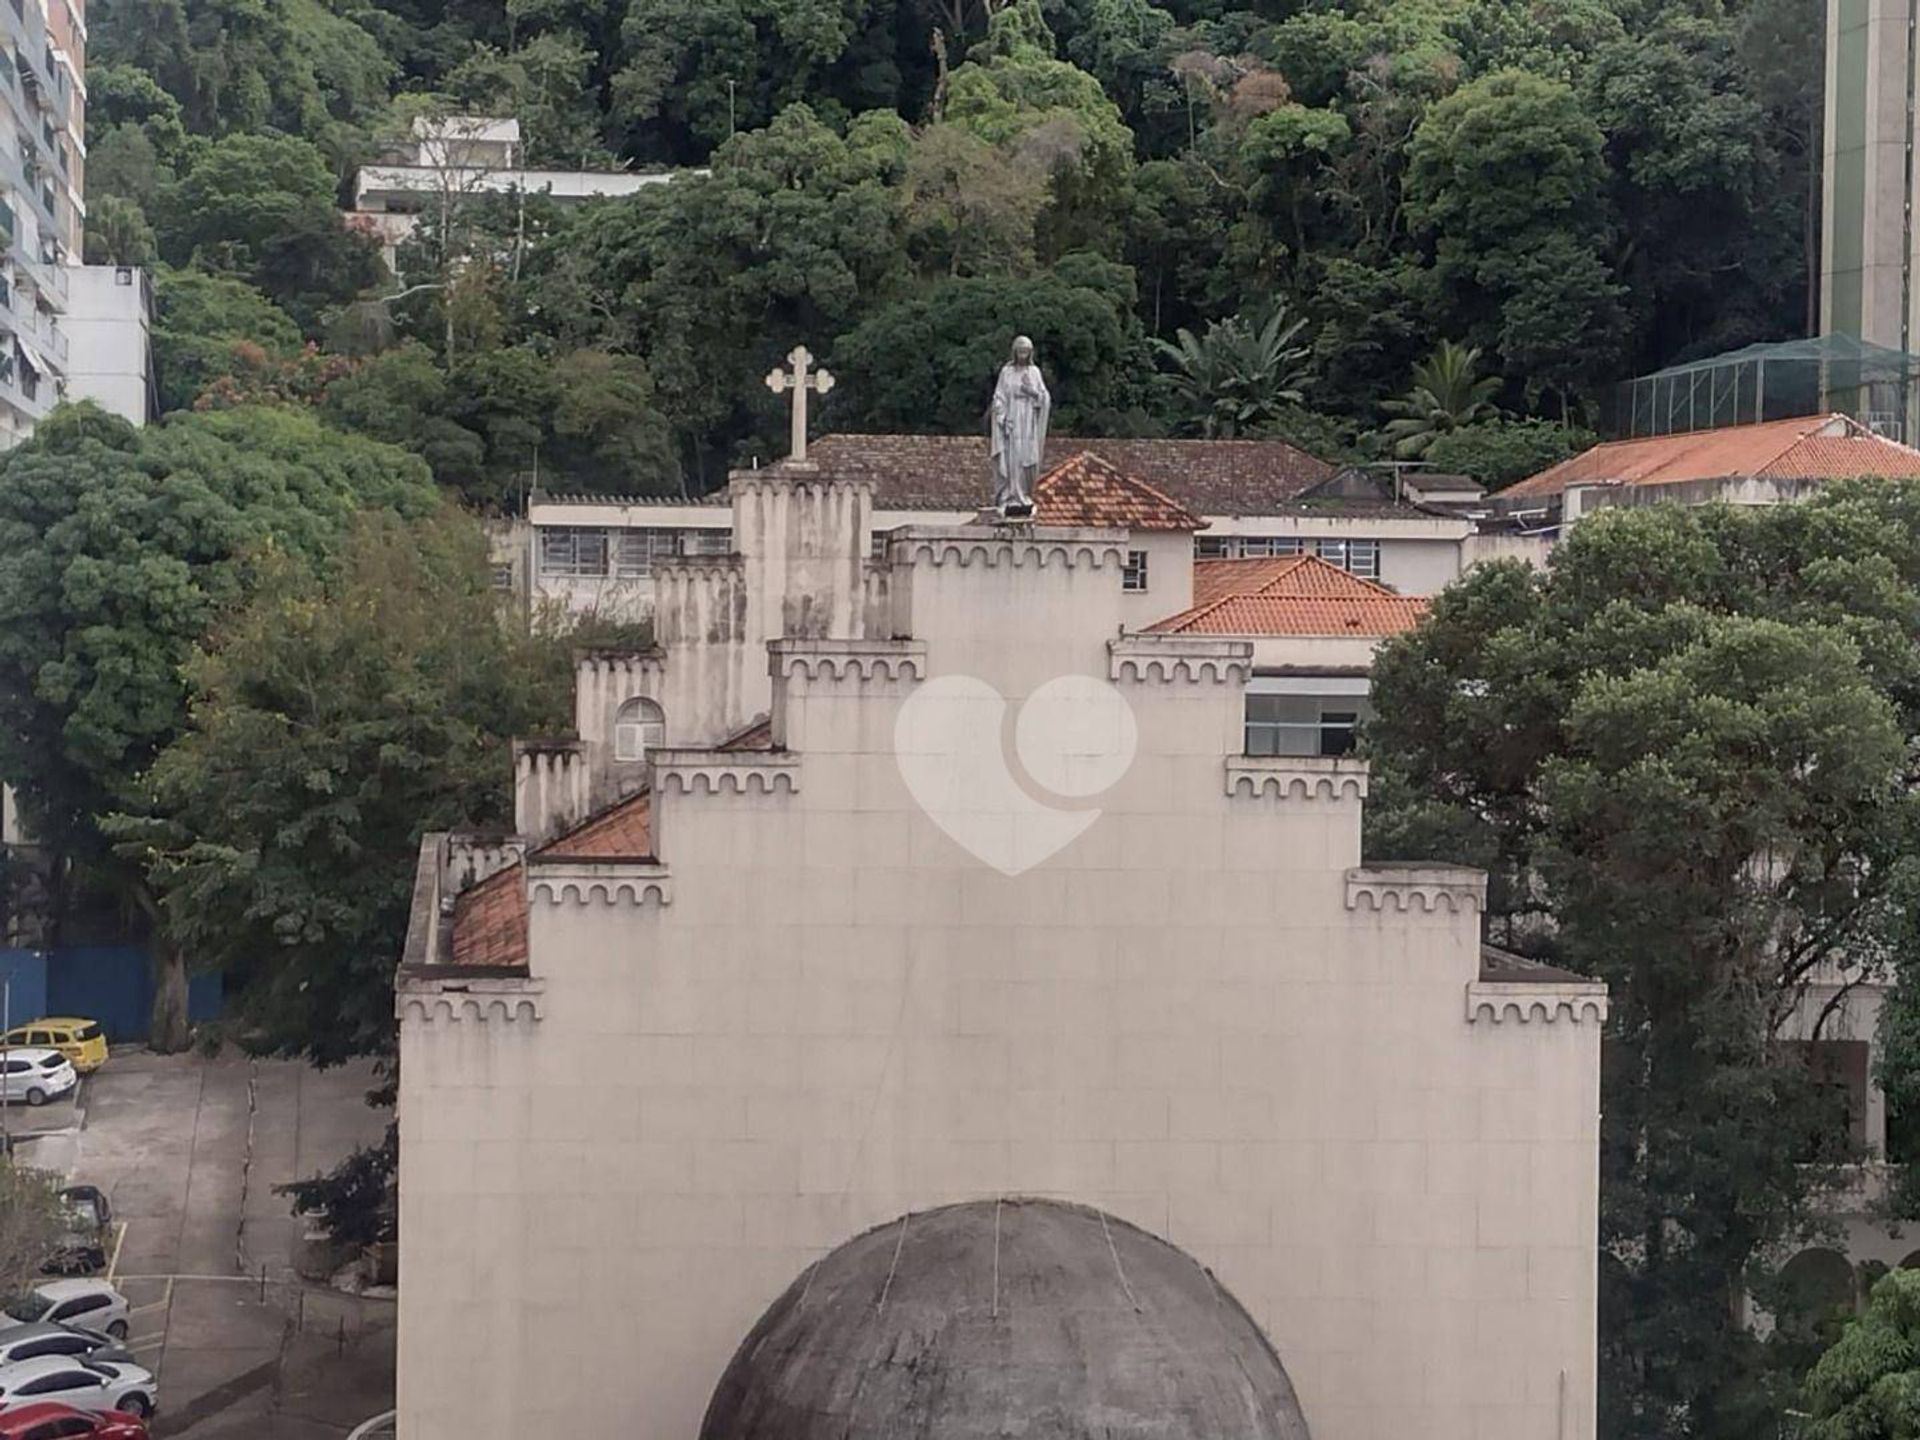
(112, 984)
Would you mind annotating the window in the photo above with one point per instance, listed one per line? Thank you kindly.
(62, 1428)
(573, 552)
(706, 542)
(1261, 547)
(636, 552)
(639, 726)
(503, 577)
(81, 1305)
(1213, 547)
(1301, 724)
(1133, 576)
(1358, 557)
(39, 1037)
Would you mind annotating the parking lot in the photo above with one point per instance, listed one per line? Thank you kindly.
(188, 1151)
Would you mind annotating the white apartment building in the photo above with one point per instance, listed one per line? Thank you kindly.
(42, 213)
(451, 158)
(110, 346)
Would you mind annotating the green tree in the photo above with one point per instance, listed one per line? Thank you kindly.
(1507, 178)
(206, 327)
(119, 550)
(117, 233)
(336, 717)
(929, 361)
(1867, 1387)
(1242, 374)
(31, 1223)
(1499, 452)
(1448, 393)
(262, 207)
(1680, 754)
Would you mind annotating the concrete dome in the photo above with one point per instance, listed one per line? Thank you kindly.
(999, 1319)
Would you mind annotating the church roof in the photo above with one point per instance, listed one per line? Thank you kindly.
(1085, 489)
(951, 472)
(1005, 1317)
(490, 919)
(1293, 595)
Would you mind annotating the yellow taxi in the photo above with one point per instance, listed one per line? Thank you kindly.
(81, 1041)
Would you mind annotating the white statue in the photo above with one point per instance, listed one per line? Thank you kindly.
(1018, 431)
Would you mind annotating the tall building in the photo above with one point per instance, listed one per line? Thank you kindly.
(42, 213)
(1867, 241)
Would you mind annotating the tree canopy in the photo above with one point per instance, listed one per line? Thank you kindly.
(1681, 754)
(1576, 193)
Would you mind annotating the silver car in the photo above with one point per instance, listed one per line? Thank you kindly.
(34, 1342)
(83, 1384)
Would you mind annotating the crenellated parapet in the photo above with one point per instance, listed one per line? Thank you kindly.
(642, 885)
(604, 679)
(1295, 778)
(862, 660)
(1417, 889)
(467, 995)
(725, 772)
(470, 857)
(1187, 659)
(699, 600)
(1009, 546)
(552, 786)
(1503, 1002)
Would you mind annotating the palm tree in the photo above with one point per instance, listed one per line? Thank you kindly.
(1448, 392)
(1242, 373)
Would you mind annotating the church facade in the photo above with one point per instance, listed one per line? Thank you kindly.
(904, 890)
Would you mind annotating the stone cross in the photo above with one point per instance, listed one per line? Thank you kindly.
(799, 380)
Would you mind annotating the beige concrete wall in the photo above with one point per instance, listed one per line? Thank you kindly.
(822, 1011)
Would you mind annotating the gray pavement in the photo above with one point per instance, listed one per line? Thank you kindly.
(189, 1150)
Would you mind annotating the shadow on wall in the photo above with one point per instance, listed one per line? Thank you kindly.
(112, 984)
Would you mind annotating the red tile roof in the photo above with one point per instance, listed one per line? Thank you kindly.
(1296, 595)
(1807, 447)
(1084, 489)
(951, 472)
(623, 831)
(490, 920)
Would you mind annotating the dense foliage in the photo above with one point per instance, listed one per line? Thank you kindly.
(1570, 193)
(1867, 1387)
(1681, 754)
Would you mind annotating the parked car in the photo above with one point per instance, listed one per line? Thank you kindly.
(35, 1076)
(31, 1342)
(49, 1420)
(90, 1304)
(96, 1385)
(83, 1249)
(83, 1042)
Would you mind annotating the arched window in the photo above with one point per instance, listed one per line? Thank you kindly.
(639, 726)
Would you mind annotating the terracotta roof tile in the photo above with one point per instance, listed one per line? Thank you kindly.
(1084, 489)
(757, 736)
(951, 472)
(1807, 447)
(623, 831)
(1294, 595)
(490, 920)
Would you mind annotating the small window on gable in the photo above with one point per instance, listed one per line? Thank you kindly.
(1134, 575)
(640, 726)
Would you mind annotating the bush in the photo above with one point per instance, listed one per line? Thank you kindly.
(355, 1201)
(1499, 453)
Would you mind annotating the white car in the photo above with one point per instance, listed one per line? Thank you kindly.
(84, 1384)
(92, 1304)
(36, 1076)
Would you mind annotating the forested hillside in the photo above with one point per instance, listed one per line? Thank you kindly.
(1320, 194)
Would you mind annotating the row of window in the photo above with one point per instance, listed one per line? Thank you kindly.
(1358, 557)
(587, 552)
